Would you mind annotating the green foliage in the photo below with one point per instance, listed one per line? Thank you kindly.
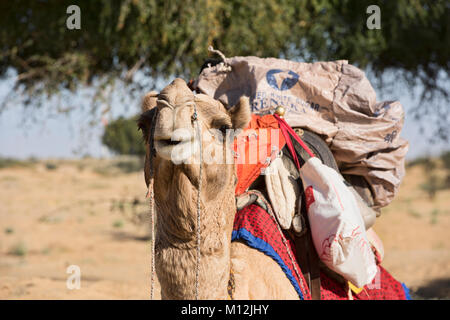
(51, 166)
(420, 161)
(445, 157)
(10, 163)
(434, 215)
(431, 186)
(122, 137)
(130, 166)
(414, 213)
(118, 224)
(446, 184)
(434, 181)
(169, 37)
(119, 165)
(19, 249)
(133, 210)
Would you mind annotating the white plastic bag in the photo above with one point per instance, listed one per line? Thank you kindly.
(337, 227)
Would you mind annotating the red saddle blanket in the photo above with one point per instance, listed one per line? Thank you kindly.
(259, 230)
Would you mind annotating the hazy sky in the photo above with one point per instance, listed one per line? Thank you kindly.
(59, 136)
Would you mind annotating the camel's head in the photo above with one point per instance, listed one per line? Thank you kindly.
(179, 115)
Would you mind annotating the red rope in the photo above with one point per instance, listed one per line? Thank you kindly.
(287, 132)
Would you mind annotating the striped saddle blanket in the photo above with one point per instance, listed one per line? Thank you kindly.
(259, 230)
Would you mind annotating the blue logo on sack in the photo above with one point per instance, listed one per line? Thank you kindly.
(281, 79)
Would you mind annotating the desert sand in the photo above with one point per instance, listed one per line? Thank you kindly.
(92, 214)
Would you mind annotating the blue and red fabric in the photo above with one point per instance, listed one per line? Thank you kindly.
(258, 229)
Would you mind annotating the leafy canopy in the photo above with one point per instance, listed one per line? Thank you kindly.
(122, 137)
(162, 38)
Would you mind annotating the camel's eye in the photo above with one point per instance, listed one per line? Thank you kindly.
(221, 124)
(224, 129)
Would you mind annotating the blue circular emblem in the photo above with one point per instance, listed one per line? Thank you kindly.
(281, 79)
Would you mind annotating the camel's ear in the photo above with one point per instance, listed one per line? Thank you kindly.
(241, 113)
(149, 101)
(144, 123)
(148, 109)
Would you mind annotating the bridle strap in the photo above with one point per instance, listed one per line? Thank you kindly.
(197, 271)
(151, 195)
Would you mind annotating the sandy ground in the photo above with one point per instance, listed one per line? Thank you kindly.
(80, 213)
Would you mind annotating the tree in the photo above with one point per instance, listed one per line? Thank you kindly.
(122, 137)
(162, 38)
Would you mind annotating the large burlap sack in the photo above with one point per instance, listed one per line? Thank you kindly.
(332, 99)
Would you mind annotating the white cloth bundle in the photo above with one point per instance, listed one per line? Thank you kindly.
(337, 227)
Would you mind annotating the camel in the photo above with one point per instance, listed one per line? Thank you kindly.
(256, 276)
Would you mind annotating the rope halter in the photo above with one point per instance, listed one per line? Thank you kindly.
(150, 194)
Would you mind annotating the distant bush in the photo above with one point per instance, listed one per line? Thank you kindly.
(130, 165)
(417, 162)
(9, 162)
(51, 166)
(445, 157)
(447, 182)
(19, 249)
(434, 181)
(431, 186)
(118, 224)
(133, 210)
(122, 164)
(121, 136)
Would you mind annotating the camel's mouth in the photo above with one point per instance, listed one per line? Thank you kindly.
(175, 149)
(169, 142)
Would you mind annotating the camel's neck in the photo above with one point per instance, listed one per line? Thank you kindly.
(176, 245)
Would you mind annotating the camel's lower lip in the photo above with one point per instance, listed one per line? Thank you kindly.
(175, 150)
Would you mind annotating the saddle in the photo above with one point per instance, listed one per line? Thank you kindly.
(278, 180)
